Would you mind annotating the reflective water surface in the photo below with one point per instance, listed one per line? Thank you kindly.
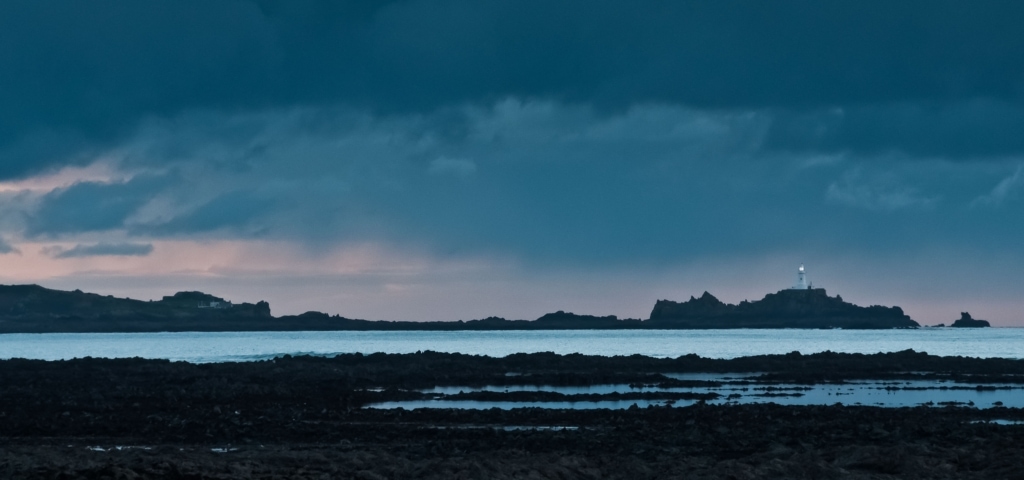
(871, 393)
(203, 347)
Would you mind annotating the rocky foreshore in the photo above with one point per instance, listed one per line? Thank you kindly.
(306, 417)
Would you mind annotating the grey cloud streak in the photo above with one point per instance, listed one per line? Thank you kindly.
(6, 248)
(101, 250)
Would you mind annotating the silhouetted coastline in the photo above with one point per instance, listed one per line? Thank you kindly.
(34, 309)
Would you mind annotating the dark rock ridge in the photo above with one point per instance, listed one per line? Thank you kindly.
(967, 322)
(810, 308)
(552, 321)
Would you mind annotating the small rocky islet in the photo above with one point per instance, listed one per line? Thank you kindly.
(965, 321)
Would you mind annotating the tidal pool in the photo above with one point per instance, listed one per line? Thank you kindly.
(741, 391)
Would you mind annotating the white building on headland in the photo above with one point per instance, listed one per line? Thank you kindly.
(215, 304)
(801, 279)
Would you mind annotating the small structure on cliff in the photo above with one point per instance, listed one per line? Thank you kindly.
(215, 304)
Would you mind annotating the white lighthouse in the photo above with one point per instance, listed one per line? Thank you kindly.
(801, 279)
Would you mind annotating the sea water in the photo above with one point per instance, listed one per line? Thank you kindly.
(205, 347)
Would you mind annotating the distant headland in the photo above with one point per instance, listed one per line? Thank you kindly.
(35, 309)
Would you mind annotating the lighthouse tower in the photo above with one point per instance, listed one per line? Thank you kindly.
(801, 279)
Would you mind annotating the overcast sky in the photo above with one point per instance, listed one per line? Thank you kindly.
(442, 160)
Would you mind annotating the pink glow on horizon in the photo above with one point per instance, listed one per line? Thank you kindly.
(213, 258)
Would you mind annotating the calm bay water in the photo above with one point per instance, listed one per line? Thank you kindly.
(249, 346)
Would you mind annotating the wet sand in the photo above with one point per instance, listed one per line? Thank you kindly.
(306, 417)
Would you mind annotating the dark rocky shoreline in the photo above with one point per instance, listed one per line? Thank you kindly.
(305, 417)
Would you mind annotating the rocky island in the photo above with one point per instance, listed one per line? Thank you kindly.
(792, 308)
(966, 321)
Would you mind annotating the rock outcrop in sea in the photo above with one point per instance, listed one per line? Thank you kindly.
(966, 321)
(794, 308)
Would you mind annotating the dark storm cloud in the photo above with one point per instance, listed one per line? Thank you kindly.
(76, 75)
(964, 129)
(101, 250)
